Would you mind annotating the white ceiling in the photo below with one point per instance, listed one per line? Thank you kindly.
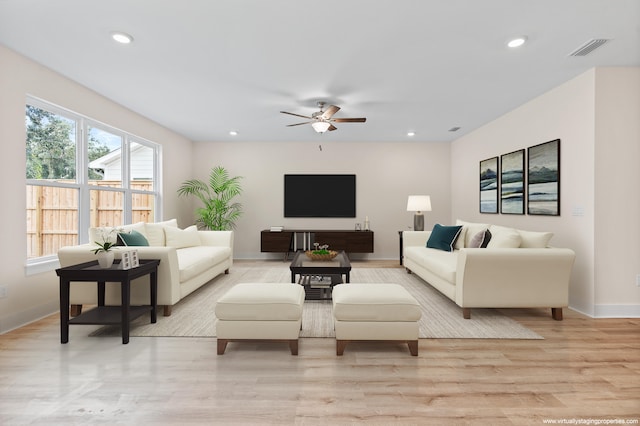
(203, 67)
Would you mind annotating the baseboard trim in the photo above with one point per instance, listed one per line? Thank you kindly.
(617, 311)
(20, 319)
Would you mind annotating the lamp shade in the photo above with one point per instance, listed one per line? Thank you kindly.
(321, 126)
(419, 203)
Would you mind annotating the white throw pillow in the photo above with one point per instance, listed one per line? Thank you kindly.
(535, 239)
(461, 238)
(180, 238)
(110, 233)
(155, 231)
(503, 237)
(471, 229)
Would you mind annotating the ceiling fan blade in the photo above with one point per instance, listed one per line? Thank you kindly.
(297, 115)
(330, 111)
(348, 120)
(332, 127)
(299, 124)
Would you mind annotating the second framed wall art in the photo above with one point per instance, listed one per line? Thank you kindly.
(512, 183)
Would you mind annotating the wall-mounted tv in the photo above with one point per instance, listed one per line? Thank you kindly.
(320, 195)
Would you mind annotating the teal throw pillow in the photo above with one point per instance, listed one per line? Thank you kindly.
(133, 238)
(443, 237)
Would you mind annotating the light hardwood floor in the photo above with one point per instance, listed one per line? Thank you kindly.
(584, 369)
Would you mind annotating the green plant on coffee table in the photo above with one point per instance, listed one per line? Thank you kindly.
(320, 249)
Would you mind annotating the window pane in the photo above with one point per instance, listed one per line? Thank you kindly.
(52, 219)
(143, 208)
(142, 167)
(105, 158)
(106, 208)
(51, 145)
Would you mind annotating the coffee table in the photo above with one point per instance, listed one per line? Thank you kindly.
(318, 277)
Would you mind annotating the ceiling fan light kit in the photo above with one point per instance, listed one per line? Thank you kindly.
(322, 121)
(321, 126)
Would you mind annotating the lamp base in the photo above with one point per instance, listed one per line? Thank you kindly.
(418, 222)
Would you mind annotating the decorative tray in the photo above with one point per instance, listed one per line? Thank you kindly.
(314, 255)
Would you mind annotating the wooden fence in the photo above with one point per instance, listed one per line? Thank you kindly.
(52, 213)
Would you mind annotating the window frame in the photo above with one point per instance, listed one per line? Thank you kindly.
(83, 123)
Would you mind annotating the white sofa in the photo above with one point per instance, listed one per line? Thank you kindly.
(189, 258)
(516, 270)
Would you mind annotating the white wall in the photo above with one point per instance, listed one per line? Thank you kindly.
(617, 189)
(29, 298)
(386, 173)
(606, 100)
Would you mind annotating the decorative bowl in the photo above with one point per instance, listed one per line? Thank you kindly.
(313, 255)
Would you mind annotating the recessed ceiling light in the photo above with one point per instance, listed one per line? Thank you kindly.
(411, 133)
(121, 37)
(517, 42)
(233, 133)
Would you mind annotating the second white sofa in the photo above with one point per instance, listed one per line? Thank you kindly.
(188, 259)
(519, 270)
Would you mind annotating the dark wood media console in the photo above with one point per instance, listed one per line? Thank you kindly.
(290, 240)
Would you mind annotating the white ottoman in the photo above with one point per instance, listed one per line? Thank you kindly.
(375, 312)
(260, 312)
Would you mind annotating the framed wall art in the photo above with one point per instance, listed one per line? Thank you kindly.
(543, 179)
(489, 185)
(512, 183)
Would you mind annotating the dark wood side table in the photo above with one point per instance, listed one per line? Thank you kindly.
(123, 314)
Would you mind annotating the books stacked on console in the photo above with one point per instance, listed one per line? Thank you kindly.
(277, 228)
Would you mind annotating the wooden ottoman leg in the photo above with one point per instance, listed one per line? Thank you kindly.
(293, 345)
(340, 345)
(222, 346)
(413, 347)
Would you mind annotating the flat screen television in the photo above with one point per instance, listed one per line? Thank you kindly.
(320, 195)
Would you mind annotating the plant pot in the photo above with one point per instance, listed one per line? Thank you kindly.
(105, 259)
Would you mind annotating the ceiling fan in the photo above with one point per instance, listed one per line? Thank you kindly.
(323, 120)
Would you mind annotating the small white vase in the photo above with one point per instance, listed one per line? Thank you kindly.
(105, 259)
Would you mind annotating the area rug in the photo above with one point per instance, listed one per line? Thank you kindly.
(441, 318)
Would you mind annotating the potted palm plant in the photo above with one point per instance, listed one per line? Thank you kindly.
(220, 212)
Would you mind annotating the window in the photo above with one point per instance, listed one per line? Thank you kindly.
(80, 174)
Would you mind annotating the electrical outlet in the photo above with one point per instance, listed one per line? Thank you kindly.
(3, 291)
(638, 280)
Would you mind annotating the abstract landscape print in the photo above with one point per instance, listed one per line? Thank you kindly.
(489, 185)
(544, 179)
(512, 183)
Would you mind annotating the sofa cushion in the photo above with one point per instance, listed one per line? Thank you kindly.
(193, 261)
(441, 263)
(535, 239)
(443, 237)
(181, 238)
(110, 233)
(503, 237)
(471, 229)
(481, 239)
(133, 238)
(155, 231)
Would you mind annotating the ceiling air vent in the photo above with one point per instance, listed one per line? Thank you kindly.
(589, 47)
(454, 129)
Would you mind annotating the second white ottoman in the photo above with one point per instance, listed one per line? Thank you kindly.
(260, 312)
(375, 312)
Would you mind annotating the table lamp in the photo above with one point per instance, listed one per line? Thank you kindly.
(418, 204)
